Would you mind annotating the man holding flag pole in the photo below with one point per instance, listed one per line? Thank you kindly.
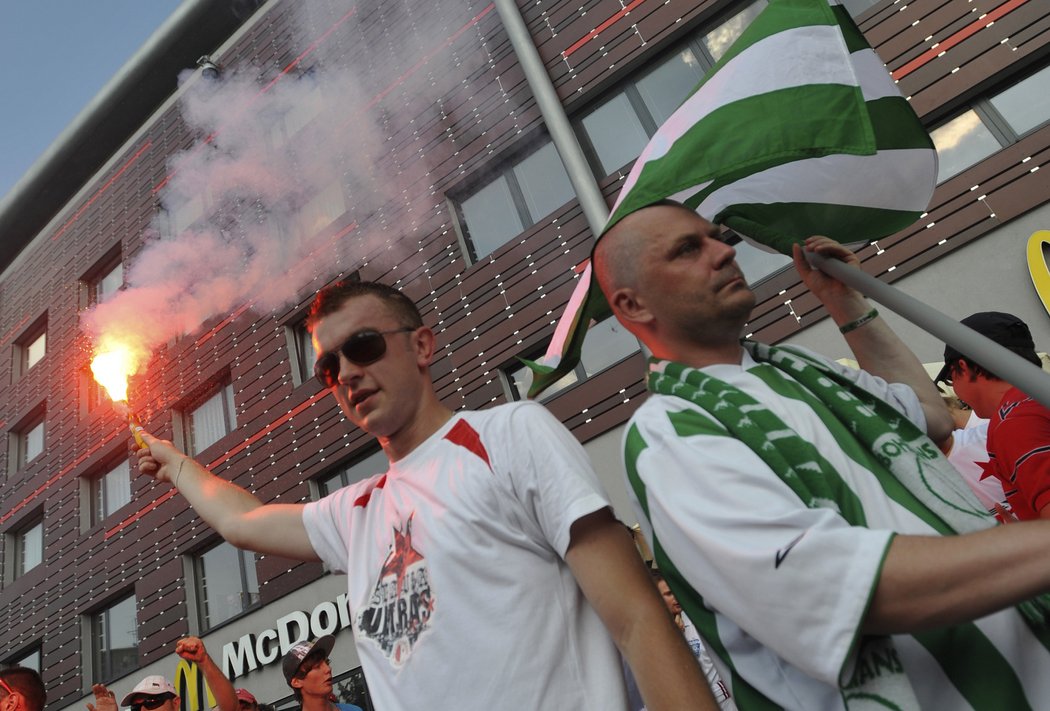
(801, 513)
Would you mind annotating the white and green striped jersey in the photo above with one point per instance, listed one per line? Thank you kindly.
(779, 590)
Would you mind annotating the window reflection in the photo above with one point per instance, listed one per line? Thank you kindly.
(962, 142)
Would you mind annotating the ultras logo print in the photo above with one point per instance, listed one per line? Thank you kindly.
(398, 613)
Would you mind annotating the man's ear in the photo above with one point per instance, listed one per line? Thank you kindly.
(423, 341)
(296, 682)
(628, 306)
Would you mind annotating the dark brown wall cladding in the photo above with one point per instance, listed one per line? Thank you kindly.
(485, 314)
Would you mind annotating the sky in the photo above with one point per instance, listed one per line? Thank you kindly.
(55, 55)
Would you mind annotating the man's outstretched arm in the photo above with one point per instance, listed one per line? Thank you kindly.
(192, 650)
(237, 515)
(878, 349)
(612, 576)
(932, 581)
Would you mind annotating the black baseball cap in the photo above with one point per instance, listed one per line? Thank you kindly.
(1005, 329)
(293, 659)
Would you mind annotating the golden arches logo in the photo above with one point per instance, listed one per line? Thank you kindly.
(1037, 266)
(192, 688)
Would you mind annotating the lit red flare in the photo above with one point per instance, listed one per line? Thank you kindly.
(116, 359)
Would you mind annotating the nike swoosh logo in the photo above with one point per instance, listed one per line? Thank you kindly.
(783, 552)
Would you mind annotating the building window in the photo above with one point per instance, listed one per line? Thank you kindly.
(606, 344)
(110, 491)
(114, 640)
(227, 584)
(1025, 106)
(210, 421)
(184, 214)
(29, 442)
(962, 142)
(992, 123)
(28, 547)
(109, 283)
(615, 132)
(322, 209)
(301, 352)
(28, 659)
(517, 198)
(31, 348)
(362, 468)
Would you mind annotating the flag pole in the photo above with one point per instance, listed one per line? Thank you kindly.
(1007, 365)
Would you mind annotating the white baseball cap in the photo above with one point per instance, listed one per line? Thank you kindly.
(155, 685)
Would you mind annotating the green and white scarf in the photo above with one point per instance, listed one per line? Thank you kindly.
(905, 454)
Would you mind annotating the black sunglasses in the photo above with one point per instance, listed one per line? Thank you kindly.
(150, 702)
(362, 348)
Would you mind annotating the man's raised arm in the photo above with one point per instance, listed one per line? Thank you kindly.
(877, 348)
(237, 515)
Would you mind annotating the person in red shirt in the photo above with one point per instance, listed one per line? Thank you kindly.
(1019, 427)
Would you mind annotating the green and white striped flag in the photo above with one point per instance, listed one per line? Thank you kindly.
(798, 130)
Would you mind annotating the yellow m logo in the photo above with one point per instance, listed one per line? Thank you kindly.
(192, 687)
(1037, 266)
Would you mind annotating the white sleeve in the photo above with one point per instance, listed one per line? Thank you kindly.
(549, 472)
(327, 523)
(900, 396)
(798, 580)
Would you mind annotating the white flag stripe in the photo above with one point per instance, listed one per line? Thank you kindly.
(875, 83)
(690, 192)
(836, 180)
(561, 332)
(750, 73)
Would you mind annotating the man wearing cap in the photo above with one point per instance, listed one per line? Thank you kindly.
(21, 689)
(155, 691)
(487, 553)
(1019, 427)
(308, 672)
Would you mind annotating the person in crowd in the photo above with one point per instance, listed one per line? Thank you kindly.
(156, 692)
(1019, 427)
(719, 689)
(309, 673)
(966, 448)
(21, 689)
(800, 509)
(488, 533)
(152, 693)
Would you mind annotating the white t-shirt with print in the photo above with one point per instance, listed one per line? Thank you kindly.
(459, 593)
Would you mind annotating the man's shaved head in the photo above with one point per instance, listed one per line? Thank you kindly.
(617, 252)
(671, 281)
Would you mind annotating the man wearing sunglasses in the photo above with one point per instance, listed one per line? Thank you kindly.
(21, 689)
(154, 693)
(487, 553)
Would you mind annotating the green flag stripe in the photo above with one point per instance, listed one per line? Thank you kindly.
(895, 125)
(835, 124)
(976, 668)
(779, 224)
(850, 32)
